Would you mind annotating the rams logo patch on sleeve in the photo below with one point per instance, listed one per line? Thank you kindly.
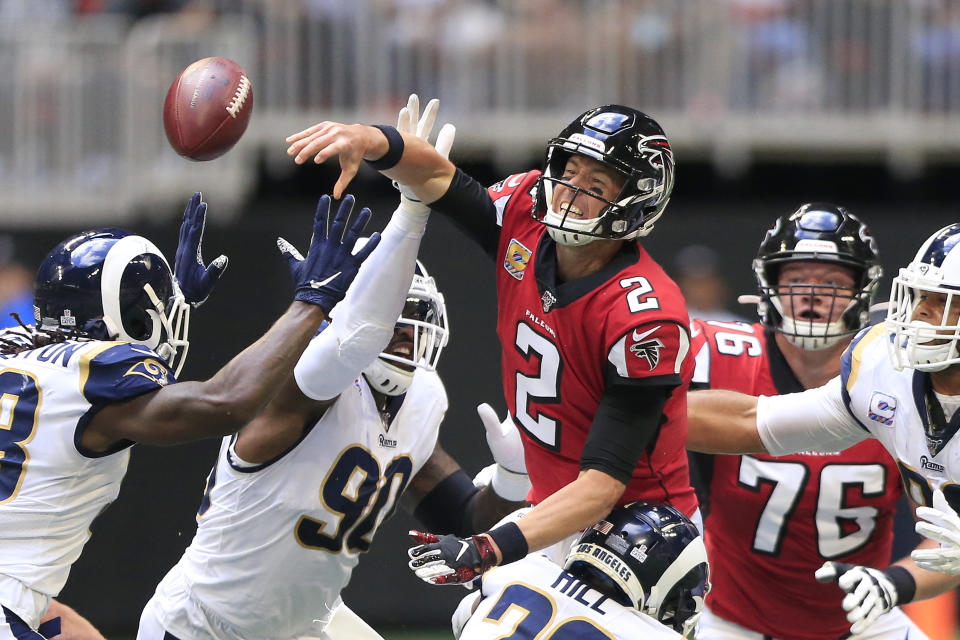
(516, 259)
(150, 369)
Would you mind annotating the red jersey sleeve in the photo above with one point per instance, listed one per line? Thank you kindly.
(651, 350)
(521, 185)
(647, 329)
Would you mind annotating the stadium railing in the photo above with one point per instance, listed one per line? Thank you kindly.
(731, 81)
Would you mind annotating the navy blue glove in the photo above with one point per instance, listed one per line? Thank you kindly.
(322, 278)
(196, 281)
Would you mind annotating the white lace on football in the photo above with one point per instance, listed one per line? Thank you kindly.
(239, 96)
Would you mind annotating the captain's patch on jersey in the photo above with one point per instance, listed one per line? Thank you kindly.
(882, 408)
(516, 259)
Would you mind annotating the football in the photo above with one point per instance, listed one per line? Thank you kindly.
(207, 108)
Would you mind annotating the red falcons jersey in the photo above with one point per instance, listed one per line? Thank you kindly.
(774, 521)
(560, 343)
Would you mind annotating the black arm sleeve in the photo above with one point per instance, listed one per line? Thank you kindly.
(447, 509)
(468, 205)
(626, 424)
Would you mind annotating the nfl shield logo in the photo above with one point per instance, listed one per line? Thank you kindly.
(548, 300)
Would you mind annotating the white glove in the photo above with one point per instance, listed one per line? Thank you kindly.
(942, 525)
(508, 475)
(870, 592)
(410, 121)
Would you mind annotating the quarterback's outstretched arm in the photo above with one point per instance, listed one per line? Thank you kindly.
(403, 156)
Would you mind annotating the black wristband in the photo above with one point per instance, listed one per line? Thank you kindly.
(510, 541)
(394, 151)
(903, 581)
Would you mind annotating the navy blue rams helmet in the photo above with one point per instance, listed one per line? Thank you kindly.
(648, 556)
(109, 284)
(635, 147)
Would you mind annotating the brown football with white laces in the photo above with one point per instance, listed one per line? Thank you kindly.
(208, 108)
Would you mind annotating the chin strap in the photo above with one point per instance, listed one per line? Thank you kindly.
(388, 379)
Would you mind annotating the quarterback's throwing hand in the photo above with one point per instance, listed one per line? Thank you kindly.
(449, 559)
(870, 592)
(941, 524)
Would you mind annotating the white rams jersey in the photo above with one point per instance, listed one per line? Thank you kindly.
(871, 399)
(51, 489)
(535, 598)
(277, 542)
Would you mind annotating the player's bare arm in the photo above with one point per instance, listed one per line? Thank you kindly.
(280, 425)
(581, 503)
(930, 584)
(412, 160)
(215, 407)
(73, 626)
(242, 388)
(722, 422)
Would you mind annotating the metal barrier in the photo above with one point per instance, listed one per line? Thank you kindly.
(81, 138)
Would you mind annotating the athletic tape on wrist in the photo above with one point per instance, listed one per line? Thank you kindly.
(511, 542)
(394, 150)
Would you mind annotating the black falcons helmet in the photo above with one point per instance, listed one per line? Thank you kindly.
(109, 284)
(627, 141)
(648, 556)
(818, 232)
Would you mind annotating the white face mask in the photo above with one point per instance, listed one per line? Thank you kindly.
(910, 340)
(392, 373)
(934, 271)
